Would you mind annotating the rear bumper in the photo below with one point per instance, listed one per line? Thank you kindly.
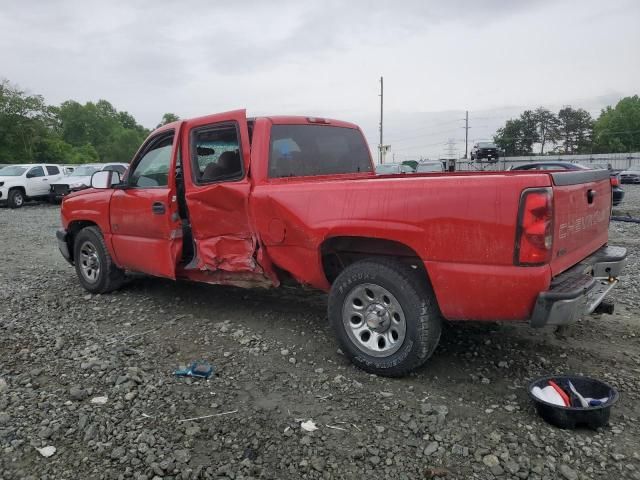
(580, 290)
(618, 195)
(63, 245)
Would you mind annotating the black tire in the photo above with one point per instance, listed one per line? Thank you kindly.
(107, 276)
(423, 323)
(16, 198)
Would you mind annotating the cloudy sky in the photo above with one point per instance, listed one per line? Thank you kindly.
(438, 59)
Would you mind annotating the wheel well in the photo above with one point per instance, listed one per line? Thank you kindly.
(339, 252)
(73, 229)
(24, 192)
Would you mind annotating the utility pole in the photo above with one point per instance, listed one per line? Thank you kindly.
(466, 134)
(380, 147)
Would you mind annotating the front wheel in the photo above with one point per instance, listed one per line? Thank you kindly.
(385, 316)
(94, 265)
(16, 199)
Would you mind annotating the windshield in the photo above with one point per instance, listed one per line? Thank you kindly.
(84, 171)
(486, 145)
(12, 171)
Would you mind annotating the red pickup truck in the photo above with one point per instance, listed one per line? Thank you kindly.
(226, 199)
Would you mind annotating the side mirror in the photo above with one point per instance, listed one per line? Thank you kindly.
(105, 179)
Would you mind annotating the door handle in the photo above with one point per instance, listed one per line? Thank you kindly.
(158, 208)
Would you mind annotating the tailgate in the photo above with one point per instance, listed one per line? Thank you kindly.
(582, 207)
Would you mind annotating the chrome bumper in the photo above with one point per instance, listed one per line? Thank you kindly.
(579, 290)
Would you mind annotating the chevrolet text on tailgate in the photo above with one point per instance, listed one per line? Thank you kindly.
(223, 199)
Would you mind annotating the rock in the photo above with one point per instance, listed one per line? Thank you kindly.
(317, 463)
(567, 472)
(431, 448)
(490, 460)
(284, 352)
(3, 385)
(77, 393)
(99, 400)
(47, 451)
(118, 453)
(4, 418)
(182, 456)
(374, 460)
(192, 431)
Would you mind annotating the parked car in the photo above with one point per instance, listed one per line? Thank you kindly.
(616, 191)
(393, 252)
(632, 175)
(80, 179)
(19, 183)
(424, 167)
(485, 150)
(391, 168)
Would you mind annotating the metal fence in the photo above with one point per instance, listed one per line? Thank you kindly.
(616, 161)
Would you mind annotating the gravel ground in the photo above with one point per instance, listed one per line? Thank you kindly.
(464, 415)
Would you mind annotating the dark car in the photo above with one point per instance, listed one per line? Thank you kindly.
(485, 150)
(618, 193)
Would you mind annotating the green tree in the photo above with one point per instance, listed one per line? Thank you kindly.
(518, 135)
(24, 122)
(574, 130)
(547, 125)
(168, 118)
(618, 129)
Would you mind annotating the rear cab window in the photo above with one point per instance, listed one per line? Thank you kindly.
(53, 170)
(311, 150)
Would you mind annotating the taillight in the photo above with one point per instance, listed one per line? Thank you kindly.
(615, 181)
(534, 233)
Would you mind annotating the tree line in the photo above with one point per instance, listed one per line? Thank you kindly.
(32, 131)
(573, 131)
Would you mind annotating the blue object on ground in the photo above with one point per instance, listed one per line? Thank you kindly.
(196, 369)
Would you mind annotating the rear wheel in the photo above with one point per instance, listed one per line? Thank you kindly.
(16, 198)
(385, 316)
(94, 265)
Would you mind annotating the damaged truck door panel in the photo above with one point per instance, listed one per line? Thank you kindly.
(254, 202)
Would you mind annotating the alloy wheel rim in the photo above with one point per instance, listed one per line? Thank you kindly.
(89, 262)
(374, 320)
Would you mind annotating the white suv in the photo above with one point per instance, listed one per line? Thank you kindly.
(19, 183)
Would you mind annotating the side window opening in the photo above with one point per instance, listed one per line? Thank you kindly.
(216, 155)
(152, 170)
(53, 170)
(36, 172)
